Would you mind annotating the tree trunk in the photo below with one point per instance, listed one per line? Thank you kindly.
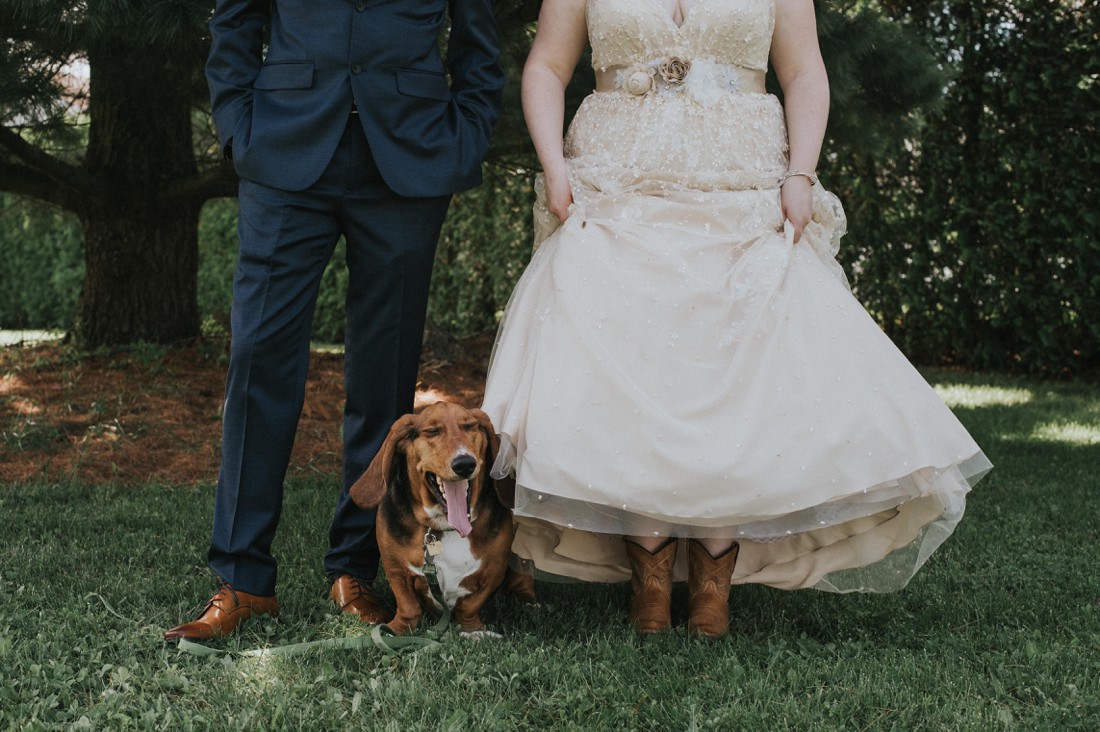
(141, 269)
(140, 244)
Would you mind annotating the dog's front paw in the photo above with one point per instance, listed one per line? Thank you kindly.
(399, 626)
(478, 634)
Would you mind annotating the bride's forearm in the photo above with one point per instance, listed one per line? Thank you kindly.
(806, 107)
(559, 43)
(544, 110)
(797, 60)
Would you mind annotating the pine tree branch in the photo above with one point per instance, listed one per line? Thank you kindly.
(217, 182)
(27, 181)
(61, 173)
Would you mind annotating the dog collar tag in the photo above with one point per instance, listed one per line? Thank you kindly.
(432, 544)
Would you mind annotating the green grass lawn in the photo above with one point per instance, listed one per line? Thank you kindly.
(1000, 630)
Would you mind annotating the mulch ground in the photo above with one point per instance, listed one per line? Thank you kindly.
(154, 415)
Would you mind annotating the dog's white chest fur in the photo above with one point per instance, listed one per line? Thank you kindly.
(452, 565)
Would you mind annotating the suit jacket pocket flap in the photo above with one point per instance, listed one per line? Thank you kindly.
(427, 84)
(285, 76)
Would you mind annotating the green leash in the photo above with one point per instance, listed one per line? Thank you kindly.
(380, 636)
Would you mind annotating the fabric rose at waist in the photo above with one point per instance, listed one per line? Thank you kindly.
(703, 79)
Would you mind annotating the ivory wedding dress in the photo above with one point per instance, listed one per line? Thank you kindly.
(671, 363)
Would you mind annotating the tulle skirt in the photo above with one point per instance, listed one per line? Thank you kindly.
(671, 363)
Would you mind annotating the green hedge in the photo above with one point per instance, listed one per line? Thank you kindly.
(976, 240)
(217, 259)
(485, 245)
(41, 265)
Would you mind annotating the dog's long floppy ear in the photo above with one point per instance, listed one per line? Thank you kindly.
(506, 486)
(371, 486)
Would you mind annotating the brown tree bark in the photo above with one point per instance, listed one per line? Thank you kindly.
(140, 235)
(141, 268)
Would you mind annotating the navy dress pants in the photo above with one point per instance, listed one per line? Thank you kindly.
(286, 241)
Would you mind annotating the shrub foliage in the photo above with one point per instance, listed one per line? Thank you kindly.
(976, 240)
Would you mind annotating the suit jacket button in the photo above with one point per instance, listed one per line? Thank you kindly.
(356, 68)
(360, 6)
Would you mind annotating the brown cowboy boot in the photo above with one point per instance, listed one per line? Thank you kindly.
(709, 590)
(224, 612)
(651, 580)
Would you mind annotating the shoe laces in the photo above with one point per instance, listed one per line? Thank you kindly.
(219, 596)
(358, 587)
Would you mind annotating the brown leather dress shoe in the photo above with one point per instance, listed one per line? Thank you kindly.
(354, 597)
(225, 611)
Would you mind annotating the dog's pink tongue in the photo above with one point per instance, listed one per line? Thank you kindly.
(455, 493)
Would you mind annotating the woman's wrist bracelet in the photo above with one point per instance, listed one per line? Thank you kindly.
(792, 173)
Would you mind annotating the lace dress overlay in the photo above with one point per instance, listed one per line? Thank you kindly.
(672, 363)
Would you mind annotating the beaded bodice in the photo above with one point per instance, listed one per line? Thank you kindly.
(738, 32)
(651, 129)
(647, 129)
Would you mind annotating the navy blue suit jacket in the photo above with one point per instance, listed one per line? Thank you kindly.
(283, 111)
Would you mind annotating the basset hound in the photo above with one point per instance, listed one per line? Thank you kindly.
(437, 503)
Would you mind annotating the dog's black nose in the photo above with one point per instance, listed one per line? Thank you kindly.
(464, 465)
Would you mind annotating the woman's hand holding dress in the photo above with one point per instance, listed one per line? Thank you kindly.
(559, 194)
(798, 204)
